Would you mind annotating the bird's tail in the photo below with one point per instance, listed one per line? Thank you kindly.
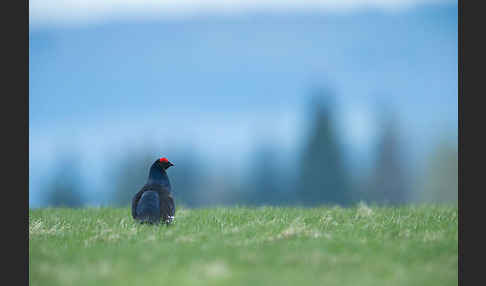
(167, 208)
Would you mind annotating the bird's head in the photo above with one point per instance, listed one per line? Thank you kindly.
(163, 163)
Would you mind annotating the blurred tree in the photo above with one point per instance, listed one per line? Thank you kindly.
(64, 188)
(387, 182)
(130, 173)
(186, 178)
(440, 181)
(323, 178)
(266, 187)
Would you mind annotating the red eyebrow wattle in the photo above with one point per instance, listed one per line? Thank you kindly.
(163, 160)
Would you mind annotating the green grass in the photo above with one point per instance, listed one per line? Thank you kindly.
(411, 245)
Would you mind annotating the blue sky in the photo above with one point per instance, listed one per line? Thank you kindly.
(223, 82)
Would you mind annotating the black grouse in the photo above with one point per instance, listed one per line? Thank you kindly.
(154, 202)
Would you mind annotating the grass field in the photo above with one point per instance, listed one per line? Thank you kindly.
(411, 245)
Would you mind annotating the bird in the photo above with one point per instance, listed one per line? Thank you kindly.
(154, 202)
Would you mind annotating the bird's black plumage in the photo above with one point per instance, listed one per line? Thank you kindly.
(154, 202)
